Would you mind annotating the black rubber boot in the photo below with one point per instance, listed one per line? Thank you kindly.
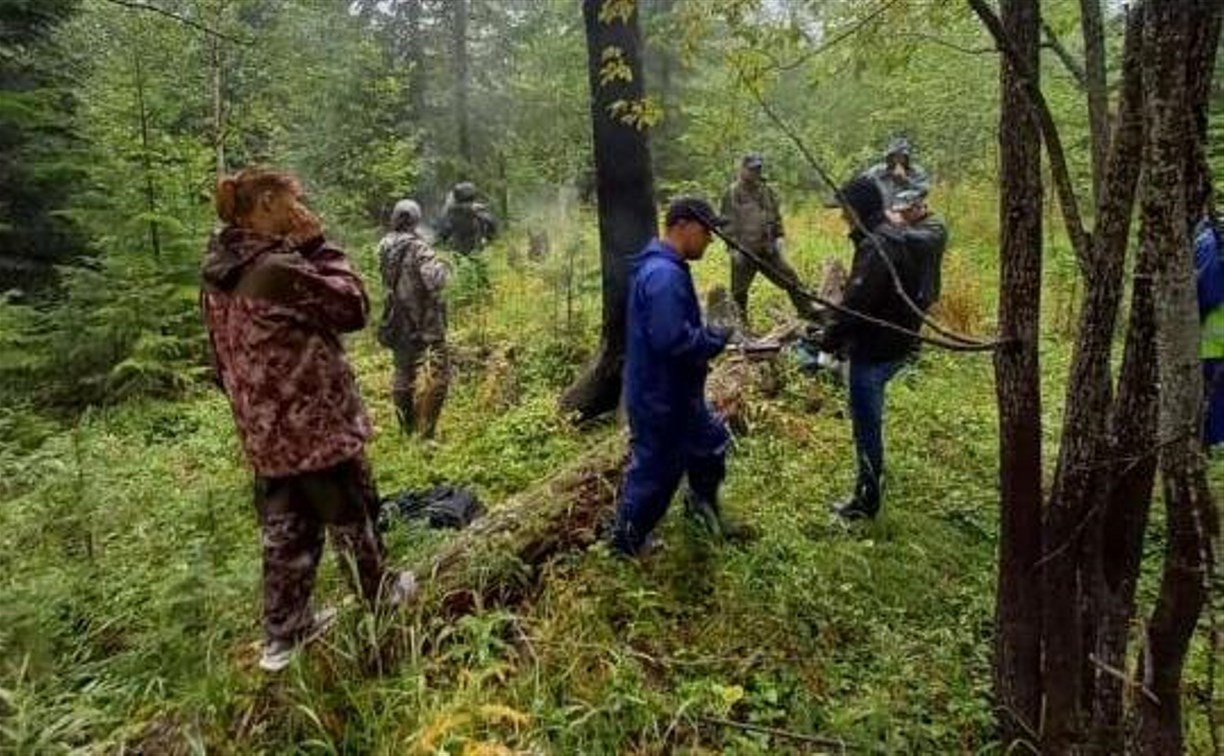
(405, 413)
(863, 505)
(706, 512)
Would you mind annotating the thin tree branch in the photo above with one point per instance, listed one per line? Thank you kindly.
(957, 341)
(849, 31)
(1081, 241)
(1093, 29)
(1073, 66)
(775, 732)
(941, 42)
(184, 20)
(1122, 677)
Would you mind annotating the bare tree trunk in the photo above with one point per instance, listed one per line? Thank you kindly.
(1018, 383)
(1200, 68)
(1124, 484)
(218, 90)
(1098, 96)
(459, 34)
(1128, 481)
(1183, 589)
(415, 46)
(625, 190)
(146, 160)
(1084, 482)
(1074, 526)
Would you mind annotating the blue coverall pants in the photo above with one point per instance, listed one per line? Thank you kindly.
(661, 454)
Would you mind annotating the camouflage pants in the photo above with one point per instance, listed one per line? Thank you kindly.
(422, 377)
(744, 270)
(293, 512)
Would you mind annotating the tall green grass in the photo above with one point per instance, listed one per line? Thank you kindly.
(129, 562)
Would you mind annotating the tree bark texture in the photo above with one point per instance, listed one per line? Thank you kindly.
(1200, 66)
(146, 158)
(625, 191)
(1075, 518)
(463, 80)
(1123, 481)
(415, 52)
(1172, 32)
(1017, 682)
(1098, 95)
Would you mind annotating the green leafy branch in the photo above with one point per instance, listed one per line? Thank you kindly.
(614, 66)
(640, 114)
(617, 10)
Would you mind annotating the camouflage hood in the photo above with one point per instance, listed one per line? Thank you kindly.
(274, 321)
(230, 251)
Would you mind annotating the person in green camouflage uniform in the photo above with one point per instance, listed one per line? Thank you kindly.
(466, 224)
(755, 218)
(414, 321)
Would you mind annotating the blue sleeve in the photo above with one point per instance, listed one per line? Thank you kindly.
(669, 327)
(1208, 272)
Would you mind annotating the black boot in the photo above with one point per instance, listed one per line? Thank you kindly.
(705, 511)
(855, 508)
(863, 505)
(406, 415)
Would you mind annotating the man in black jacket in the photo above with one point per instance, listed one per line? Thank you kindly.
(877, 334)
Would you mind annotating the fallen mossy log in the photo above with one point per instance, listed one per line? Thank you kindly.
(495, 561)
(743, 375)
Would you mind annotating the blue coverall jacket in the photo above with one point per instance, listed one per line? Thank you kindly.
(668, 350)
(673, 432)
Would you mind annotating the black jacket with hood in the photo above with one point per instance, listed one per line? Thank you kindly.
(872, 290)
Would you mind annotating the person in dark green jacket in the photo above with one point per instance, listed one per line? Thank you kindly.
(925, 235)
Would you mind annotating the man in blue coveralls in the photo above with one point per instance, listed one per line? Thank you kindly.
(1209, 277)
(672, 431)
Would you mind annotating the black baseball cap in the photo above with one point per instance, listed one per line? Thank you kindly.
(694, 209)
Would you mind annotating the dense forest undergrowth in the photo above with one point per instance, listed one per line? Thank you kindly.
(129, 559)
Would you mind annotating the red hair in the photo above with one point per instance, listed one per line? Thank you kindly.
(237, 194)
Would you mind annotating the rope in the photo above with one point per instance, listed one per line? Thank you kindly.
(797, 288)
(857, 222)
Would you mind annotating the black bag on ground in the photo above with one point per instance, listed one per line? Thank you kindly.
(443, 506)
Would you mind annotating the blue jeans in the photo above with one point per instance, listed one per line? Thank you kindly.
(867, 383)
(1213, 414)
(660, 456)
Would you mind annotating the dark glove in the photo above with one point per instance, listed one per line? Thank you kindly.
(832, 341)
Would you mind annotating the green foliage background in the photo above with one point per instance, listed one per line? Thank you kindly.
(128, 549)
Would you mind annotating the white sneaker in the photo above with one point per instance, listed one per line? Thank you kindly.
(403, 590)
(279, 654)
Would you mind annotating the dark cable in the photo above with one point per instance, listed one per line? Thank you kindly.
(796, 287)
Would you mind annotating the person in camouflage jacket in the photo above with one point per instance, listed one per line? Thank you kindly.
(414, 321)
(276, 297)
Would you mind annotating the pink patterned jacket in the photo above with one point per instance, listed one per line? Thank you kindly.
(274, 317)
